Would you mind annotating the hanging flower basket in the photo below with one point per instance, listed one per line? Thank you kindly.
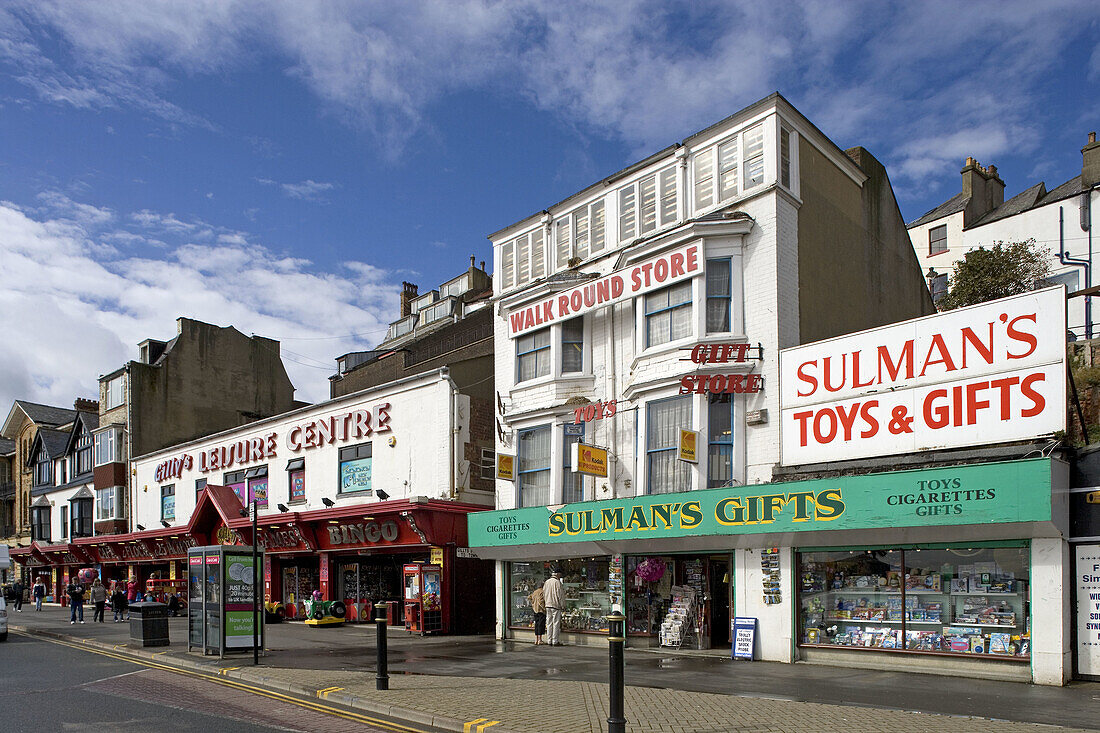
(650, 570)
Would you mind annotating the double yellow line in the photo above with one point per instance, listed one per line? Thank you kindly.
(308, 705)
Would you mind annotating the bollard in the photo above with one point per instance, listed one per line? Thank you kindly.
(616, 639)
(382, 676)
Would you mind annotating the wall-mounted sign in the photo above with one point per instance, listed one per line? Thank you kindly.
(989, 373)
(1088, 610)
(689, 439)
(589, 460)
(506, 467)
(732, 353)
(595, 411)
(355, 475)
(362, 533)
(657, 272)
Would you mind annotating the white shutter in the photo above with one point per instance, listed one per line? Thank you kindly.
(507, 266)
(523, 260)
(580, 232)
(627, 214)
(598, 227)
(668, 195)
(727, 170)
(704, 180)
(561, 243)
(538, 255)
(754, 155)
(647, 196)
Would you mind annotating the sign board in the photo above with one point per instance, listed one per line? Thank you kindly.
(589, 460)
(436, 556)
(222, 592)
(689, 439)
(1088, 610)
(1093, 497)
(240, 600)
(744, 637)
(466, 553)
(506, 467)
(657, 272)
(986, 493)
(990, 373)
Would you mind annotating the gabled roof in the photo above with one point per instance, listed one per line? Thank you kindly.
(54, 442)
(953, 205)
(38, 414)
(6, 446)
(215, 502)
(1020, 202)
(90, 421)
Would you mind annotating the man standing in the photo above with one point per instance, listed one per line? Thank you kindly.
(17, 591)
(75, 591)
(554, 595)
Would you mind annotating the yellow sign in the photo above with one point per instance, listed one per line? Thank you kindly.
(1093, 497)
(590, 460)
(506, 467)
(437, 556)
(226, 536)
(688, 441)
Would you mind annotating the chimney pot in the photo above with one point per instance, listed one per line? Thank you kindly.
(1092, 137)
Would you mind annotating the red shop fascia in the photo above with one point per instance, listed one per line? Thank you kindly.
(413, 525)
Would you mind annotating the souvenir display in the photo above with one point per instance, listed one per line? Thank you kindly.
(586, 582)
(769, 566)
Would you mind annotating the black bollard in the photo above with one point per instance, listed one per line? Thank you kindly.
(382, 676)
(616, 639)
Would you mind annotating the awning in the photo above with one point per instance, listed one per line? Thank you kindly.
(296, 464)
(84, 493)
(41, 502)
(256, 472)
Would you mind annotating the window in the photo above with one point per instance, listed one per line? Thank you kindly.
(296, 476)
(200, 484)
(937, 239)
(939, 287)
(720, 441)
(572, 485)
(488, 463)
(236, 481)
(82, 518)
(533, 355)
(64, 522)
(113, 393)
(1071, 279)
(109, 447)
(664, 420)
(580, 233)
(43, 469)
(647, 204)
(455, 287)
(355, 468)
(168, 502)
(40, 524)
(61, 470)
(84, 454)
(668, 314)
(523, 259)
(785, 157)
(719, 299)
(718, 171)
(257, 485)
(754, 156)
(533, 475)
(572, 345)
(442, 309)
(110, 503)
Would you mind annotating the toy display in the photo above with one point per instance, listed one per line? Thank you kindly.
(587, 587)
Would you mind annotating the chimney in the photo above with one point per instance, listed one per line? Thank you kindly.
(983, 187)
(1090, 163)
(83, 405)
(408, 295)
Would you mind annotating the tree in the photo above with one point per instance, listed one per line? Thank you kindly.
(1002, 270)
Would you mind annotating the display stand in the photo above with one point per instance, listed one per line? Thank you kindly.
(678, 627)
(423, 599)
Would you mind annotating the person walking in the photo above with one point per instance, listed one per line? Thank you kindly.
(118, 602)
(38, 592)
(98, 596)
(75, 591)
(537, 599)
(553, 593)
(17, 591)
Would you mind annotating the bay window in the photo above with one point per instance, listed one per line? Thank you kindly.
(40, 524)
(721, 172)
(668, 314)
(533, 475)
(533, 355)
(110, 503)
(665, 472)
(81, 518)
(719, 299)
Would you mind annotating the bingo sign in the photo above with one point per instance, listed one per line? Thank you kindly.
(989, 373)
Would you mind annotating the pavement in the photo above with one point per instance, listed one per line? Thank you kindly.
(481, 685)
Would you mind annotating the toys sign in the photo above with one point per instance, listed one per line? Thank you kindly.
(984, 374)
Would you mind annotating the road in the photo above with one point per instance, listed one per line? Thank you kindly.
(51, 686)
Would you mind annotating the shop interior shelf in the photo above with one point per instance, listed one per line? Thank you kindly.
(892, 592)
(984, 626)
(883, 621)
(984, 593)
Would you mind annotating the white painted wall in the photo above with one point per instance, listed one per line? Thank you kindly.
(1051, 612)
(774, 623)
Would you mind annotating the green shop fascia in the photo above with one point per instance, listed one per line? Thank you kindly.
(957, 506)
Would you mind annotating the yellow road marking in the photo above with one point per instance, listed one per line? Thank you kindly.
(481, 728)
(469, 727)
(323, 694)
(244, 687)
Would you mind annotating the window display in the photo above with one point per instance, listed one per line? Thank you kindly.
(950, 600)
(587, 598)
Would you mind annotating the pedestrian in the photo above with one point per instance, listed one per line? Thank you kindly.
(98, 596)
(133, 595)
(75, 591)
(537, 600)
(173, 604)
(39, 592)
(119, 603)
(554, 596)
(17, 590)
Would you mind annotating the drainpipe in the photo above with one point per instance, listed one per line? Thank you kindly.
(1086, 225)
(452, 410)
(1086, 264)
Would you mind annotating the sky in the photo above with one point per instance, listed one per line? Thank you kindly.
(282, 166)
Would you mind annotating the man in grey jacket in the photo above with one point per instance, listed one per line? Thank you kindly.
(554, 594)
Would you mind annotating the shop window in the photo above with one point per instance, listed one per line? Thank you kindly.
(587, 598)
(110, 503)
(572, 485)
(533, 476)
(533, 355)
(665, 472)
(82, 518)
(40, 524)
(257, 485)
(200, 484)
(355, 468)
(719, 299)
(236, 481)
(572, 346)
(937, 239)
(64, 522)
(720, 441)
(959, 600)
(296, 476)
(168, 502)
(668, 314)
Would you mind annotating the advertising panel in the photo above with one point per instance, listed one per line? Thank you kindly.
(240, 600)
(1088, 610)
(989, 373)
(589, 460)
(355, 475)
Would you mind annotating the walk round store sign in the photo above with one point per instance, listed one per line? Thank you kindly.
(990, 373)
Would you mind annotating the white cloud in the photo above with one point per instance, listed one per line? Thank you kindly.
(307, 190)
(77, 307)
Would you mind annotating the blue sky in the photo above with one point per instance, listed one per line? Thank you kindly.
(281, 166)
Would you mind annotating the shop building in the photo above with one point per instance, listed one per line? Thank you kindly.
(350, 493)
(657, 301)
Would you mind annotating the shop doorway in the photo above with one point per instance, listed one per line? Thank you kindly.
(720, 591)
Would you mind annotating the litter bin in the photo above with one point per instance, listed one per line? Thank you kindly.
(149, 623)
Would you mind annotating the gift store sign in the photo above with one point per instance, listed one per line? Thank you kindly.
(989, 373)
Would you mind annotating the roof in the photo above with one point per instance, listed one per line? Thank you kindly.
(6, 446)
(90, 420)
(54, 441)
(1018, 203)
(953, 205)
(38, 414)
